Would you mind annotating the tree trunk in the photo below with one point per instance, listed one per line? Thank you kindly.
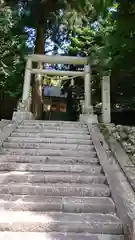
(39, 46)
(45, 9)
(37, 85)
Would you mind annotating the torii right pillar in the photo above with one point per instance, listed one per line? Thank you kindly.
(106, 106)
(87, 87)
(87, 115)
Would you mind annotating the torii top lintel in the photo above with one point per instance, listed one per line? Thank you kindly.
(58, 59)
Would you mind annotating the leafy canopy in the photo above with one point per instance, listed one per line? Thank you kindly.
(12, 50)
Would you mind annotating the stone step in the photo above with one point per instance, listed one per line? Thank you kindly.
(49, 159)
(82, 168)
(60, 222)
(50, 121)
(54, 131)
(64, 204)
(57, 236)
(50, 177)
(49, 140)
(48, 152)
(48, 146)
(58, 189)
(51, 135)
(55, 127)
(57, 123)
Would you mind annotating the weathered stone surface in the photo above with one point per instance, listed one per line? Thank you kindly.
(50, 140)
(48, 152)
(20, 116)
(125, 135)
(65, 204)
(50, 177)
(57, 222)
(8, 129)
(54, 127)
(84, 190)
(51, 135)
(48, 146)
(4, 123)
(32, 130)
(57, 236)
(54, 123)
(51, 181)
(123, 153)
(121, 190)
(97, 205)
(49, 159)
(88, 118)
(91, 169)
(30, 203)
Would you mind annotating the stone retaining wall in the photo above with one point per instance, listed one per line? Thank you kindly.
(125, 135)
(121, 141)
(4, 123)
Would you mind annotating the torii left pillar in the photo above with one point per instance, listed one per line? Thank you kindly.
(27, 82)
(24, 107)
(37, 94)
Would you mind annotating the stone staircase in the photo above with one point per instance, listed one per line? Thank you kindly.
(52, 186)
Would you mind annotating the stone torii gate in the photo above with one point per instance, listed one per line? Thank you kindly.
(25, 111)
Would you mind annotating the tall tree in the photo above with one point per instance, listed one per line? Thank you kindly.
(41, 13)
(110, 43)
(12, 50)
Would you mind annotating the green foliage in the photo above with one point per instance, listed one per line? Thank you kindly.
(110, 44)
(12, 50)
(123, 48)
(86, 25)
(57, 17)
(93, 40)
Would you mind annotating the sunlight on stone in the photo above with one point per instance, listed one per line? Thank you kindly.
(22, 167)
(22, 236)
(13, 173)
(25, 217)
(19, 200)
